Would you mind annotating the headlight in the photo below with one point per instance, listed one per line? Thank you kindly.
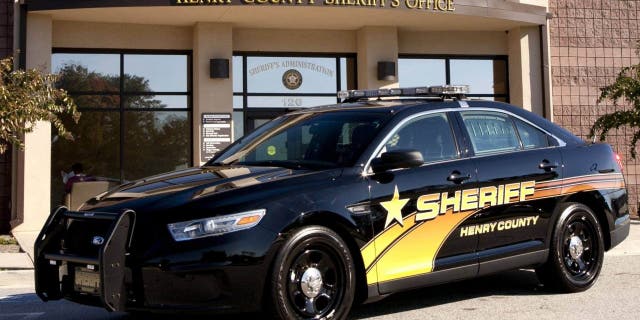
(194, 229)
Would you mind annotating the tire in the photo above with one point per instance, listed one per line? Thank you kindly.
(295, 290)
(576, 252)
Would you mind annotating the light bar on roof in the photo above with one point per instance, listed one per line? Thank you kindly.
(449, 89)
(432, 91)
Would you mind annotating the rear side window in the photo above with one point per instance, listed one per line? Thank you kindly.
(490, 132)
(531, 136)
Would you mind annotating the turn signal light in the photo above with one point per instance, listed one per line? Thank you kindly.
(248, 220)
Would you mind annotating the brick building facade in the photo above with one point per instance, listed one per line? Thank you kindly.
(6, 27)
(6, 49)
(591, 41)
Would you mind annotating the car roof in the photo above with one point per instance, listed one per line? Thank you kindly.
(409, 106)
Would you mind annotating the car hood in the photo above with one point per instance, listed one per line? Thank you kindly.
(190, 185)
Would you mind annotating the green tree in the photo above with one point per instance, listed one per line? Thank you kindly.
(626, 88)
(29, 96)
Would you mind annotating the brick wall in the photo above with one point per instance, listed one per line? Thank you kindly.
(591, 40)
(6, 28)
(6, 49)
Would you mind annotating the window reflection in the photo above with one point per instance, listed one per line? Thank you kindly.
(159, 73)
(96, 145)
(487, 77)
(156, 101)
(111, 130)
(238, 74)
(96, 102)
(238, 125)
(78, 77)
(421, 72)
(482, 76)
(105, 65)
(237, 102)
(148, 137)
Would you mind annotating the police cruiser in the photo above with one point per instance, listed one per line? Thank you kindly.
(392, 189)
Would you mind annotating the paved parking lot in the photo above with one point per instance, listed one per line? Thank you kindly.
(511, 295)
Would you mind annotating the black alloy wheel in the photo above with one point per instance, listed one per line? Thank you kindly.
(580, 251)
(577, 251)
(313, 276)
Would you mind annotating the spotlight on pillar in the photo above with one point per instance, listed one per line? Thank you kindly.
(386, 70)
(219, 68)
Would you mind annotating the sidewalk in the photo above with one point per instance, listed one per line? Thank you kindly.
(15, 261)
(630, 246)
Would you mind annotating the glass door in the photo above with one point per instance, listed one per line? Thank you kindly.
(268, 85)
(256, 118)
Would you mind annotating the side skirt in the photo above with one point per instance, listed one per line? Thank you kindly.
(513, 262)
(458, 273)
(429, 279)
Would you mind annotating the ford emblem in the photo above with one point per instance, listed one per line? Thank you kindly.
(97, 240)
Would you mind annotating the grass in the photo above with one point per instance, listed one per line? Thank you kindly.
(8, 241)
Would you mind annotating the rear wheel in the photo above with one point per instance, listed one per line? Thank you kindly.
(576, 251)
(313, 276)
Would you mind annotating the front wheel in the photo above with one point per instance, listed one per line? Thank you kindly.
(576, 251)
(313, 276)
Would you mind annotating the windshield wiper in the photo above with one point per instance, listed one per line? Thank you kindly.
(288, 164)
(271, 163)
(220, 163)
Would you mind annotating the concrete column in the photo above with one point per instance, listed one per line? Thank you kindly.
(548, 80)
(376, 44)
(525, 69)
(210, 40)
(16, 31)
(33, 165)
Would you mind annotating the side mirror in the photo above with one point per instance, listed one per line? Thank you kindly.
(396, 160)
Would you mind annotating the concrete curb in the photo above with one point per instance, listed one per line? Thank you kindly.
(631, 245)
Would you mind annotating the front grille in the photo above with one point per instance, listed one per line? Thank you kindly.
(78, 239)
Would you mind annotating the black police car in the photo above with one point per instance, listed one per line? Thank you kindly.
(328, 206)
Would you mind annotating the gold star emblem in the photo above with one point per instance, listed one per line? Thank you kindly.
(394, 208)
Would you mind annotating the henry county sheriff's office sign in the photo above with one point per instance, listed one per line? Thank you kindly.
(428, 5)
(216, 134)
(435, 5)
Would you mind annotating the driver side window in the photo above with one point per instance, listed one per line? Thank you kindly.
(431, 135)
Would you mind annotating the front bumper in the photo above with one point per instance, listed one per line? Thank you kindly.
(212, 275)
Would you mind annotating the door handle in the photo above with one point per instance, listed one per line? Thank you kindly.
(547, 166)
(457, 177)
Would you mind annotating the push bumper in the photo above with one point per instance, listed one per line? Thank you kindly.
(94, 274)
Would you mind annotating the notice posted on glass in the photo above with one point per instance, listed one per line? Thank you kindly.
(216, 134)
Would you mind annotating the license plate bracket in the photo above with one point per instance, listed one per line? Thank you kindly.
(87, 281)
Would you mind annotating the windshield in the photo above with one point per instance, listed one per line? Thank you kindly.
(306, 140)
